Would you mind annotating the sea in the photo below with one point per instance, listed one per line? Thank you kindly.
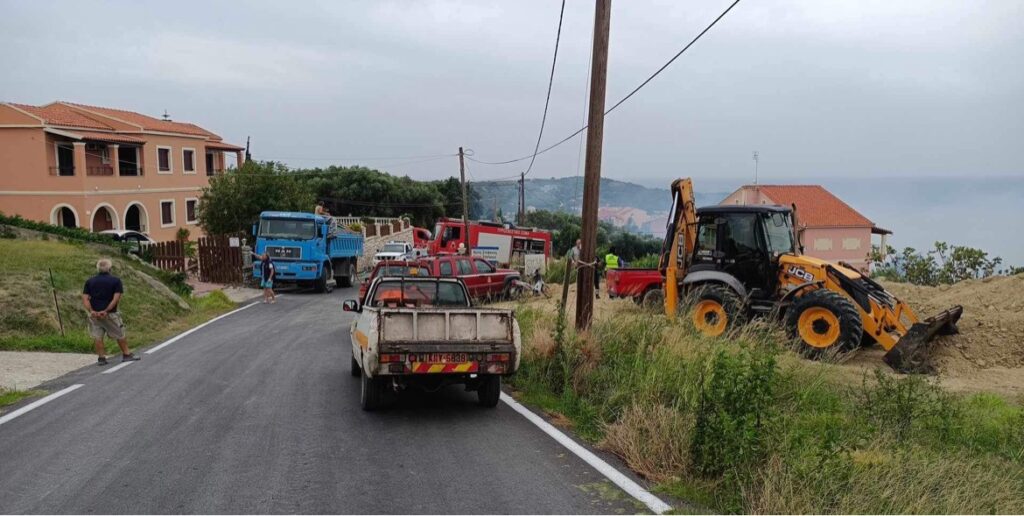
(981, 212)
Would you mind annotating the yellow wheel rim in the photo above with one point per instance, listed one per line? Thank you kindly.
(818, 327)
(709, 317)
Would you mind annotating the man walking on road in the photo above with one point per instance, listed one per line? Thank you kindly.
(100, 297)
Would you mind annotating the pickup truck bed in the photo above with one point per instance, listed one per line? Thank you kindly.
(633, 283)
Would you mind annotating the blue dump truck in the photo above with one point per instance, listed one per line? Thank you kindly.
(307, 249)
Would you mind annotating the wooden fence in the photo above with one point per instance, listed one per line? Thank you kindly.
(219, 262)
(169, 256)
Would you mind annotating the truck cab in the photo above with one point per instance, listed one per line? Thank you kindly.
(307, 249)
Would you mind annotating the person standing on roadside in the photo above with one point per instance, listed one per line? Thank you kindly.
(574, 253)
(267, 273)
(100, 297)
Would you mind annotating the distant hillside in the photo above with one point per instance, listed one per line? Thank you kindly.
(566, 194)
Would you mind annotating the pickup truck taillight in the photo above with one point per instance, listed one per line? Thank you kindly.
(496, 368)
(386, 358)
(497, 357)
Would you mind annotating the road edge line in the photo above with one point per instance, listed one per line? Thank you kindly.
(122, 365)
(186, 333)
(39, 403)
(635, 490)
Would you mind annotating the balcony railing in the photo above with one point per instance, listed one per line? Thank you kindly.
(64, 170)
(130, 170)
(101, 170)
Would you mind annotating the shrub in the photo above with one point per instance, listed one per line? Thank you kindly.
(907, 407)
(733, 411)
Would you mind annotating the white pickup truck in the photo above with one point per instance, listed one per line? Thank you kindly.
(423, 332)
(395, 250)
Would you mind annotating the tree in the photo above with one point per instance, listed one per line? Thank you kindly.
(233, 201)
(943, 264)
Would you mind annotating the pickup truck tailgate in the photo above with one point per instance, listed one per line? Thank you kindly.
(438, 325)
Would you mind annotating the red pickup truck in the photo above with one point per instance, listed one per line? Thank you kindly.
(393, 269)
(482, 278)
(643, 285)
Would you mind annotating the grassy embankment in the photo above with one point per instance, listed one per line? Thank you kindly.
(28, 321)
(743, 425)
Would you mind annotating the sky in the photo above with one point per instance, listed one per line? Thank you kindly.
(821, 89)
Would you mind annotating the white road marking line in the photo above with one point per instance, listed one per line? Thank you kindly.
(184, 334)
(122, 365)
(632, 488)
(38, 403)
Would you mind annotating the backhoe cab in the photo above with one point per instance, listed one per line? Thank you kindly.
(737, 262)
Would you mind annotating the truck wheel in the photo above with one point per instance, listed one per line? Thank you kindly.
(347, 279)
(354, 369)
(489, 391)
(371, 393)
(654, 299)
(320, 283)
(716, 309)
(824, 320)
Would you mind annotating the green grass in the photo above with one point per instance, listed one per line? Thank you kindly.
(28, 319)
(9, 397)
(742, 425)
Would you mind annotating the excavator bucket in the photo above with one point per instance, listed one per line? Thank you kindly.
(911, 354)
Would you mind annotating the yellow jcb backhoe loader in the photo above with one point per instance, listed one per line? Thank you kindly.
(736, 262)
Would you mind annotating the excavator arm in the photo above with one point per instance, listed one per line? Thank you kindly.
(680, 238)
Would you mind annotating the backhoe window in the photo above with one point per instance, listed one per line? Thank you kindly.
(740, 234)
(707, 237)
(779, 233)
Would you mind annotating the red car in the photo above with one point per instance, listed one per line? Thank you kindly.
(635, 283)
(482, 278)
(393, 269)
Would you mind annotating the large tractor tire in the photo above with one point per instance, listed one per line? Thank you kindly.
(825, 321)
(717, 309)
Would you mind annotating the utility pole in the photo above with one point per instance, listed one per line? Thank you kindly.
(248, 157)
(755, 167)
(521, 212)
(592, 168)
(465, 202)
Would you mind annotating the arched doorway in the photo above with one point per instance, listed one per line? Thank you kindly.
(65, 216)
(103, 218)
(136, 218)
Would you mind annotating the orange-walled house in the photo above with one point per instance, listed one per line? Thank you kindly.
(101, 168)
(833, 230)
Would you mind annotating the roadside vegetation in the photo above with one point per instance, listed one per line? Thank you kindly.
(28, 318)
(743, 425)
(10, 397)
(945, 264)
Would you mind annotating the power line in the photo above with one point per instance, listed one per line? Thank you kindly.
(547, 99)
(624, 99)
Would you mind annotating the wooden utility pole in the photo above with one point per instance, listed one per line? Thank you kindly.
(465, 202)
(592, 169)
(521, 212)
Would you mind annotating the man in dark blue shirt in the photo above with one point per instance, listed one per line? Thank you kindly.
(100, 297)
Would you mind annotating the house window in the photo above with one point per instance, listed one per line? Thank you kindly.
(188, 160)
(163, 159)
(851, 244)
(65, 156)
(190, 210)
(167, 213)
(822, 244)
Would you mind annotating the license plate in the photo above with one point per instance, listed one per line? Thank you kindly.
(439, 358)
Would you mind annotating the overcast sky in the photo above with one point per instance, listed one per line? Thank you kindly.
(820, 88)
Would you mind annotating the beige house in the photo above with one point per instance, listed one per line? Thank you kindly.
(100, 168)
(833, 230)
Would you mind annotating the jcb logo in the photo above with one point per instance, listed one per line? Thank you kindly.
(800, 273)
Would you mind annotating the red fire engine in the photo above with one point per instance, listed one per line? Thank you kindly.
(503, 244)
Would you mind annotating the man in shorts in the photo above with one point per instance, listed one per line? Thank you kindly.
(100, 297)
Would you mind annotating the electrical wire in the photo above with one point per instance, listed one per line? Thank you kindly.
(547, 99)
(623, 99)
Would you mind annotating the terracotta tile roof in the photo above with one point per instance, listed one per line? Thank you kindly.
(147, 123)
(222, 146)
(110, 137)
(56, 114)
(815, 206)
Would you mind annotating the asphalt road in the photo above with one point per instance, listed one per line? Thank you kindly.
(256, 413)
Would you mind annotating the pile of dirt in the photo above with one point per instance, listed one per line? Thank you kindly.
(992, 326)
